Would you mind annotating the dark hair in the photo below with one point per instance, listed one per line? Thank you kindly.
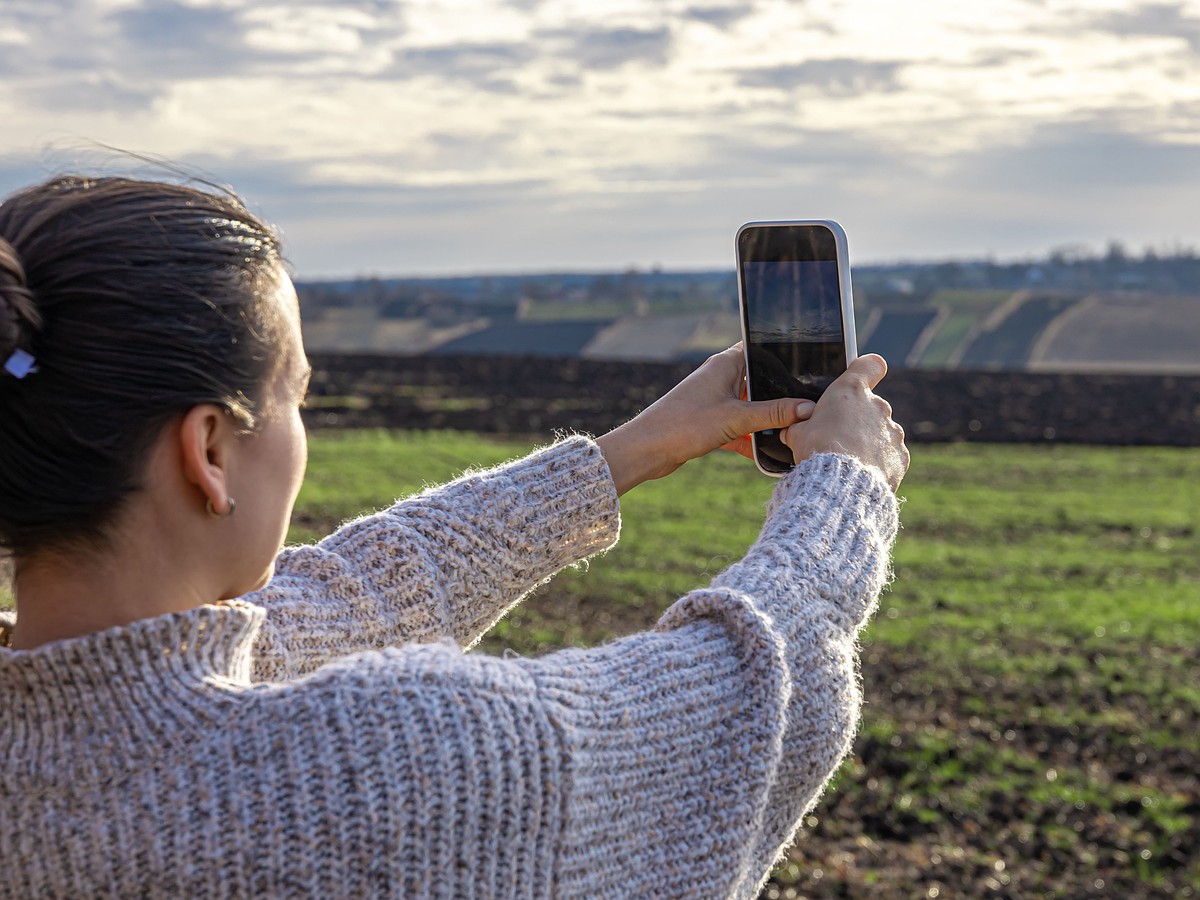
(135, 300)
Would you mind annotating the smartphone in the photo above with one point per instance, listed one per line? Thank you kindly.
(797, 317)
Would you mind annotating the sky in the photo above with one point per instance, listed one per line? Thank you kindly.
(406, 137)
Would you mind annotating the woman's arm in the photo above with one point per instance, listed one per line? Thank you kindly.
(448, 562)
(695, 751)
(451, 561)
(675, 762)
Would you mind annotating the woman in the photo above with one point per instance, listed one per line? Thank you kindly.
(325, 735)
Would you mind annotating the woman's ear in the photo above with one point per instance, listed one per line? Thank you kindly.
(206, 440)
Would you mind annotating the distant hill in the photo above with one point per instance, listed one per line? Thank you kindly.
(1108, 314)
(1142, 333)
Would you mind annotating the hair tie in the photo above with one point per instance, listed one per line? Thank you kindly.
(20, 364)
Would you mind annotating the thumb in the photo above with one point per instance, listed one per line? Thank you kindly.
(868, 370)
(759, 415)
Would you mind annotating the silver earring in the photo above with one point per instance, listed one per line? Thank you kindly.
(212, 512)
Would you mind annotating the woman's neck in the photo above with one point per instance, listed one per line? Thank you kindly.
(60, 598)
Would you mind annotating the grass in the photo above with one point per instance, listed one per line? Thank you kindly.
(1033, 690)
(1068, 543)
(351, 472)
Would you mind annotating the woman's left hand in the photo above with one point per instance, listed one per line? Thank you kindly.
(702, 413)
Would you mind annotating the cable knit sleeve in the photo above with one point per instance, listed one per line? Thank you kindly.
(144, 761)
(694, 751)
(448, 562)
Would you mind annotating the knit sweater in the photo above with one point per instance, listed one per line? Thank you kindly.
(328, 736)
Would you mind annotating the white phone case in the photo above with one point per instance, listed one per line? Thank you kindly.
(847, 298)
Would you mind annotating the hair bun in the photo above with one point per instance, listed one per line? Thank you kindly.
(18, 312)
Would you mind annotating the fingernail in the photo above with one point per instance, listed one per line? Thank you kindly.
(804, 406)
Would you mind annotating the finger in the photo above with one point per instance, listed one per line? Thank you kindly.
(732, 362)
(793, 437)
(787, 434)
(759, 415)
(734, 352)
(741, 446)
(867, 370)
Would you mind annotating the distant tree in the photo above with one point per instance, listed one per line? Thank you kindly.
(535, 291)
(633, 290)
(602, 287)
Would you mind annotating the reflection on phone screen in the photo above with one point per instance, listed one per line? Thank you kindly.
(796, 342)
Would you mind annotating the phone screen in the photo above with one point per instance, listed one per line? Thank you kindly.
(792, 302)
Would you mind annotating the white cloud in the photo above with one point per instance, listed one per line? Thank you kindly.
(317, 31)
(664, 120)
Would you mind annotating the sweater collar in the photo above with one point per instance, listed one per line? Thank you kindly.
(153, 680)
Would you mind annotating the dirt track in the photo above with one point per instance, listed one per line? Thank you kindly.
(525, 395)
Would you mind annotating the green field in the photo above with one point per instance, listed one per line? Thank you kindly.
(1032, 725)
(1033, 715)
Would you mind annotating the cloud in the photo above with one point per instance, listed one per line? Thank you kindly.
(720, 17)
(69, 56)
(1159, 20)
(998, 57)
(1064, 159)
(611, 48)
(326, 30)
(835, 77)
(1066, 182)
(796, 154)
(172, 26)
(89, 91)
(51, 36)
(177, 40)
(481, 65)
(529, 134)
(173, 41)
(331, 227)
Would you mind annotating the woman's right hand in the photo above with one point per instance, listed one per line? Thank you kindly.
(851, 419)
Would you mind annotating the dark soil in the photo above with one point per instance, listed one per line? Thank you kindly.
(875, 836)
(528, 395)
(939, 796)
